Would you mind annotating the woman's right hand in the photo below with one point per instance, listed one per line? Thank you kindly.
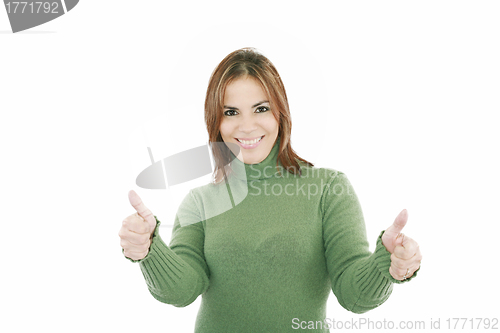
(137, 229)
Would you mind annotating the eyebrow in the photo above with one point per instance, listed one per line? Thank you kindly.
(233, 108)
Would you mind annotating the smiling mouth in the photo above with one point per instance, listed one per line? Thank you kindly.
(250, 142)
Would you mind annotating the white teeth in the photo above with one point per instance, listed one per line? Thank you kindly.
(251, 142)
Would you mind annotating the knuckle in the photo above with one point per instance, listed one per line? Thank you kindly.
(121, 233)
(399, 271)
(124, 233)
(394, 258)
(394, 273)
(127, 254)
(407, 255)
(396, 262)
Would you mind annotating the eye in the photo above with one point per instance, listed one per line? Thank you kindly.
(226, 112)
(231, 112)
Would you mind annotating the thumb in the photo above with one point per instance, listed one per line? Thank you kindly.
(395, 229)
(141, 209)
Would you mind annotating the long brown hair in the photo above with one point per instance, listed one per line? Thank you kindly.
(240, 63)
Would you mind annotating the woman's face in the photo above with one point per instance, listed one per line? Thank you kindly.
(248, 116)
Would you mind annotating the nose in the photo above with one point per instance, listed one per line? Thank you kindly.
(247, 124)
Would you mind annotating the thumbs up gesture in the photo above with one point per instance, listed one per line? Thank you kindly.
(405, 252)
(137, 229)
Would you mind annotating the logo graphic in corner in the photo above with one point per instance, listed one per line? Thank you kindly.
(24, 15)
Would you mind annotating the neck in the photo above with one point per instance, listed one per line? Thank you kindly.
(265, 169)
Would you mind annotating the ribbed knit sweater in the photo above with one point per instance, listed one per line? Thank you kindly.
(265, 247)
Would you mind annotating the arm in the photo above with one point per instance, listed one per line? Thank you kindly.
(360, 279)
(177, 274)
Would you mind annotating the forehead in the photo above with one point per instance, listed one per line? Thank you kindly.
(244, 90)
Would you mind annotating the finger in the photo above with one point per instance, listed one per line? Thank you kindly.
(135, 255)
(399, 263)
(133, 237)
(411, 270)
(401, 273)
(395, 229)
(400, 221)
(136, 223)
(134, 248)
(407, 249)
(397, 273)
(405, 263)
(141, 209)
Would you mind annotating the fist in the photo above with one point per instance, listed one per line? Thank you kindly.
(137, 229)
(405, 252)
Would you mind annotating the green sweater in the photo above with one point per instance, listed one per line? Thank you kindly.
(264, 249)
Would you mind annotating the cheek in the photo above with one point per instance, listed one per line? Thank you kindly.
(225, 129)
(271, 124)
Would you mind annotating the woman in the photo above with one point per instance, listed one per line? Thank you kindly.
(267, 240)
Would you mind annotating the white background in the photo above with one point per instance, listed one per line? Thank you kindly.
(401, 96)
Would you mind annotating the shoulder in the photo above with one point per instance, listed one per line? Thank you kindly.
(333, 183)
(328, 175)
(190, 210)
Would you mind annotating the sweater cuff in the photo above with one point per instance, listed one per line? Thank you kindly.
(383, 260)
(371, 287)
(153, 241)
(169, 278)
(373, 281)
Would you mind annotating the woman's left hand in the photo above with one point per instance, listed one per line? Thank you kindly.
(405, 252)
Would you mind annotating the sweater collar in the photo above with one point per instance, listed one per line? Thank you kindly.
(262, 170)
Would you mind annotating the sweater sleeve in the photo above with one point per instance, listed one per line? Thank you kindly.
(177, 274)
(360, 279)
